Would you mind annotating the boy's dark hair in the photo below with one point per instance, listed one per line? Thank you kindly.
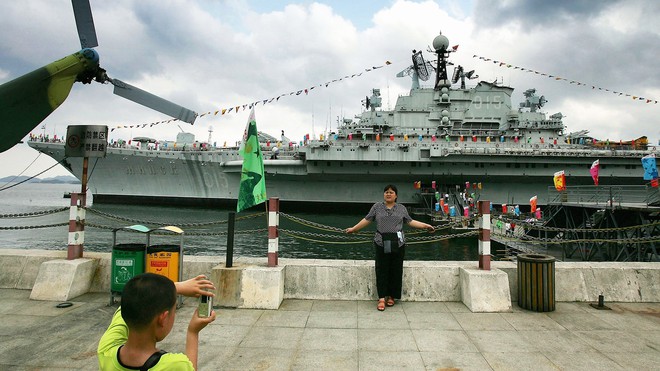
(144, 297)
(392, 187)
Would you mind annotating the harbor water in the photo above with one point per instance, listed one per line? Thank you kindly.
(208, 235)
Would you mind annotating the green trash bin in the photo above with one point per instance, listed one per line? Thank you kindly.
(536, 282)
(127, 262)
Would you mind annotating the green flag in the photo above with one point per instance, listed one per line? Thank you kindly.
(252, 190)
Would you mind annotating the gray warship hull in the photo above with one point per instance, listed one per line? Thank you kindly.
(444, 138)
(355, 176)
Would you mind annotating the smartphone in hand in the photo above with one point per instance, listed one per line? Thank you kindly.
(205, 306)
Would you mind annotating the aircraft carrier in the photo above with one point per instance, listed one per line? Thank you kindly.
(445, 138)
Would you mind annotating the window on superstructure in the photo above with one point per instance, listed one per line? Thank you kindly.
(517, 165)
(328, 164)
(341, 163)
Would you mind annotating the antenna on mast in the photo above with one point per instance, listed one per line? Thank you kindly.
(210, 131)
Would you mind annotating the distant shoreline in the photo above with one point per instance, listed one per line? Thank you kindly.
(62, 179)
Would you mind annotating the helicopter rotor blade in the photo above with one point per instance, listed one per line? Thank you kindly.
(82, 11)
(154, 102)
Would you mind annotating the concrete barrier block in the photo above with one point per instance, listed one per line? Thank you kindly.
(624, 282)
(485, 291)
(262, 287)
(248, 286)
(228, 284)
(60, 280)
(612, 282)
(648, 277)
(430, 282)
(101, 278)
(511, 270)
(330, 280)
(12, 270)
(570, 283)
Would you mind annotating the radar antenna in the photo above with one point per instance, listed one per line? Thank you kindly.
(419, 70)
(374, 101)
(533, 101)
(420, 66)
(459, 74)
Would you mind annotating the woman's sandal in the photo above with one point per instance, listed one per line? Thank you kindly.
(381, 305)
(390, 301)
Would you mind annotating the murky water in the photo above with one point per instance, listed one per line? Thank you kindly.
(314, 242)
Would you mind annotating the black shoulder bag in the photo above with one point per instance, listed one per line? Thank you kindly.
(390, 242)
(152, 360)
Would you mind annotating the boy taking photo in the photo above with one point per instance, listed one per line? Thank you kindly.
(145, 317)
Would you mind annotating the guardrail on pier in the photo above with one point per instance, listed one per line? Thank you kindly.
(606, 195)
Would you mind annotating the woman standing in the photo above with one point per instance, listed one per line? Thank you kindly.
(390, 243)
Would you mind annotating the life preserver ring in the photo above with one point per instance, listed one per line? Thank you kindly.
(414, 144)
(536, 146)
(456, 144)
(497, 145)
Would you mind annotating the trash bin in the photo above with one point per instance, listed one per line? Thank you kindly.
(127, 262)
(164, 260)
(536, 282)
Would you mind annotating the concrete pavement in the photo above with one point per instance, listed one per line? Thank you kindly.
(349, 335)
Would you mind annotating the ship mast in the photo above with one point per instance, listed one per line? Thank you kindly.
(440, 44)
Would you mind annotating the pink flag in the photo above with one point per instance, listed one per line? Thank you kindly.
(594, 171)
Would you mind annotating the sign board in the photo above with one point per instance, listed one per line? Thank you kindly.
(86, 141)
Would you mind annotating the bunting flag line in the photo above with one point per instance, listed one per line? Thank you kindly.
(558, 78)
(595, 168)
(236, 108)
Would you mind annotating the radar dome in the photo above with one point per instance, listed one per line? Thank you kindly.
(441, 42)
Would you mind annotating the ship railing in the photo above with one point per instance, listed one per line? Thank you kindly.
(605, 196)
(494, 147)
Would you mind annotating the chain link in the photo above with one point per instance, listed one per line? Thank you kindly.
(33, 214)
(217, 222)
(33, 226)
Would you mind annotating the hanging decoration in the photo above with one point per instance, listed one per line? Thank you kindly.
(558, 78)
(237, 108)
(560, 181)
(595, 167)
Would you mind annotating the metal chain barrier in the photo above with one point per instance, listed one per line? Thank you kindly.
(202, 224)
(341, 230)
(245, 231)
(34, 226)
(347, 239)
(33, 214)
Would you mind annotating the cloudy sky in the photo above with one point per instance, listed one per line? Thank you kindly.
(209, 55)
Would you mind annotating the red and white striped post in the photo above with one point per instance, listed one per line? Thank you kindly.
(484, 235)
(76, 227)
(273, 234)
